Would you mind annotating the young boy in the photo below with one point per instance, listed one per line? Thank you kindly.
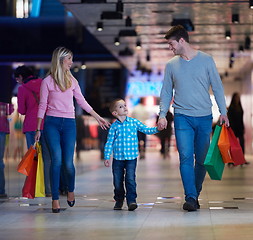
(122, 140)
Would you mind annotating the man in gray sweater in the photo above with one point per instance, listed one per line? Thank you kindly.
(188, 78)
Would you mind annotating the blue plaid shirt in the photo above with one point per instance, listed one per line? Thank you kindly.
(122, 139)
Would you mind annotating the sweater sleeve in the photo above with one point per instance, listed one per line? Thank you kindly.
(44, 92)
(145, 129)
(80, 98)
(217, 87)
(166, 92)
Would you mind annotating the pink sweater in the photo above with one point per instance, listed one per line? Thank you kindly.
(54, 102)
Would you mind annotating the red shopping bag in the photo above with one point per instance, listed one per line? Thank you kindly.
(30, 181)
(235, 148)
(26, 163)
(224, 145)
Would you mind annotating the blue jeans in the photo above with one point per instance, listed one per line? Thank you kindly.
(60, 134)
(193, 140)
(45, 155)
(2, 149)
(124, 171)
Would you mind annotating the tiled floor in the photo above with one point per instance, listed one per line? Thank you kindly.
(226, 207)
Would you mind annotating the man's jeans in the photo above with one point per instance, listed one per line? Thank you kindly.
(193, 140)
(30, 139)
(124, 170)
(60, 134)
(2, 149)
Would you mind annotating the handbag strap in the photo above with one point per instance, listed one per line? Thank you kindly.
(33, 93)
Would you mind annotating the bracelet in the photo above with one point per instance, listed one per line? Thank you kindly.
(37, 130)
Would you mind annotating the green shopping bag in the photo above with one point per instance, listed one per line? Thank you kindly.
(213, 163)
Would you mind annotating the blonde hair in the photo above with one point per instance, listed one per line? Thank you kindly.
(62, 79)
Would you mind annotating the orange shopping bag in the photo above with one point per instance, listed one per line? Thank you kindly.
(224, 145)
(26, 163)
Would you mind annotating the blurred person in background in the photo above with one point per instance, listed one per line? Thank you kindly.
(141, 113)
(235, 116)
(28, 104)
(5, 110)
(165, 135)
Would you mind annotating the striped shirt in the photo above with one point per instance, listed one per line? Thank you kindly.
(122, 139)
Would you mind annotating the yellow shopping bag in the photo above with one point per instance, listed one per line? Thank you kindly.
(40, 184)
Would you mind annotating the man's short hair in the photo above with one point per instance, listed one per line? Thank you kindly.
(113, 104)
(176, 33)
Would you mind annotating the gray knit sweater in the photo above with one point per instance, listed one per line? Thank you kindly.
(191, 81)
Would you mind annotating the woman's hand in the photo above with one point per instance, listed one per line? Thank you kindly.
(107, 163)
(37, 136)
(103, 123)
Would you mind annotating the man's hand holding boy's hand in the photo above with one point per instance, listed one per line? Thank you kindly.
(107, 163)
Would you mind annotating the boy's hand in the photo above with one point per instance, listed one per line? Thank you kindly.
(162, 124)
(107, 163)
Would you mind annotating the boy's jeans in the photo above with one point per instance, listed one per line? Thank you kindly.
(124, 170)
(193, 140)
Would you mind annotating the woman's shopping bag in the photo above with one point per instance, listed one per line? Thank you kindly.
(40, 184)
(235, 148)
(224, 145)
(28, 190)
(213, 162)
(26, 163)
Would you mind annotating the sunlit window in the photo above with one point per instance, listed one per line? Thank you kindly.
(22, 8)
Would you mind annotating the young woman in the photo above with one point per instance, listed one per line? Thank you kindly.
(28, 103)
(56, 102)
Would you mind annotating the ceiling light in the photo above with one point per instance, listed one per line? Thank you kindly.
(119, 6)
(116, 41)
(100, 26)
(83, 66)
(251, 4)
(138, 44)
(228, 35)
(235, 18)
(247, 42)
(128, 22)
